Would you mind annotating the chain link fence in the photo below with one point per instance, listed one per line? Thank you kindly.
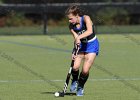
(49, 18)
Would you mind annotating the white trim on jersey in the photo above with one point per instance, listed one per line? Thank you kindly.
(92, 39)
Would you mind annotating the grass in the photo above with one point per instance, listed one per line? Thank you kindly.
(26, 61)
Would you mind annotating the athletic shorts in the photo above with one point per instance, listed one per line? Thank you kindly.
(91, 46)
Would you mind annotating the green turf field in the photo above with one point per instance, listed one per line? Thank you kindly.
(34, 67)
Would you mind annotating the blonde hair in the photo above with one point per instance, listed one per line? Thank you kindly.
(75, 10)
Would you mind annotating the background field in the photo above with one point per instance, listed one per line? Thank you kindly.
(34, 67)
(36, 45)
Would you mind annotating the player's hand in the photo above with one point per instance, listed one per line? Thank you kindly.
(77, 41)
(73, 56)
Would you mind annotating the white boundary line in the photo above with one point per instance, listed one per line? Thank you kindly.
(38, 81)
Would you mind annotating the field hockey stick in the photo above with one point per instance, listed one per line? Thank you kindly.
(61, 94)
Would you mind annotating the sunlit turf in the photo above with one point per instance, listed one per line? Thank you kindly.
(42, 60)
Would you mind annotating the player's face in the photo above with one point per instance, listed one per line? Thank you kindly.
(72, 18)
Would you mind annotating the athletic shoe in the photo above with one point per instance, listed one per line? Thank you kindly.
(73, 86)
(80, 91)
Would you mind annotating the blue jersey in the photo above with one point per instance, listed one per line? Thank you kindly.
(89, 44)
(82, 29)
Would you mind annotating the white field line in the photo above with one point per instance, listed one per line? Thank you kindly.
(37, 81)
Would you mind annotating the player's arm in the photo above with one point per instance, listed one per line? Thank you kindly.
(89, 30)
(75, 35)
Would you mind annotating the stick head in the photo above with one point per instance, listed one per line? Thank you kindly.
(59, 94)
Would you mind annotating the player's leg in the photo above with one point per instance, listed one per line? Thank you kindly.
(75, 71)
(89, 59)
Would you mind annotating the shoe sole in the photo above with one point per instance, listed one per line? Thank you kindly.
(79, 95)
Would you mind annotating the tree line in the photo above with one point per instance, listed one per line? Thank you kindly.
(106, 16)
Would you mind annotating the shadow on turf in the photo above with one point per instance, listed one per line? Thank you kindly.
(68, 93)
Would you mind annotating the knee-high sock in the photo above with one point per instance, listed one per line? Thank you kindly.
(82, 79)
(75, 75)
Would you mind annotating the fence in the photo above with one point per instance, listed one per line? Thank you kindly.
(39, 14)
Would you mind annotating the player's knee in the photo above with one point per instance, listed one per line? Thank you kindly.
(75, 68)
(89, 61)
(85, 71)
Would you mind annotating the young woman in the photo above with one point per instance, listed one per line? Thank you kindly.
(82, 30)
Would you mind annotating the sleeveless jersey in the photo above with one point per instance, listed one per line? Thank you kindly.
(82, 29)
